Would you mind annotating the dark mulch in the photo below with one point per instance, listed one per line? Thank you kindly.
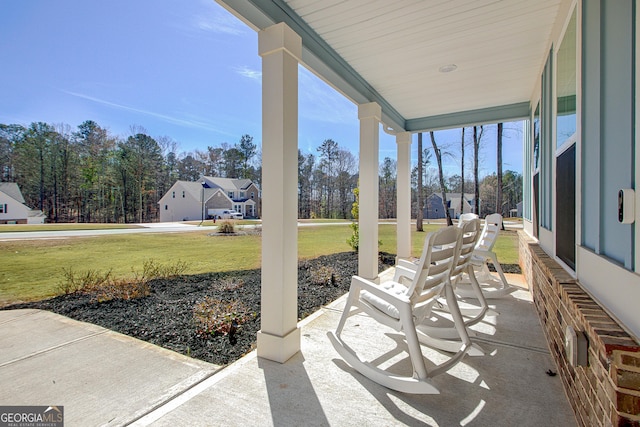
(165, 317)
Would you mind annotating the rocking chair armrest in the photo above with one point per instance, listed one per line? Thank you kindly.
(403, 273)
(360, 283)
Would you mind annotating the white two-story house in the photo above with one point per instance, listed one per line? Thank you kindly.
(13, 209)
(190, 201)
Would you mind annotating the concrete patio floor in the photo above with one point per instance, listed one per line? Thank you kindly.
(105, 378)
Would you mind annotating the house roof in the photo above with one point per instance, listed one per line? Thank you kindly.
(12, 190)
(229, 184)
(397, 53)
(194, 188)
(451, 196)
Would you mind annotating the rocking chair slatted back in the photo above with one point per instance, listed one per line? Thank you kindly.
(490, 233)
(470, 235)
(440, 252)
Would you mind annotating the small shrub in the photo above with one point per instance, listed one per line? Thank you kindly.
(323, 275)
(226, 227)
(124, 289)
(76, 282)
(354, 239)
(103, 286)
(151, 269)
(216, 317)
(231, 284)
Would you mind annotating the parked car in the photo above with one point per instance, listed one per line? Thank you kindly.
(232, 215)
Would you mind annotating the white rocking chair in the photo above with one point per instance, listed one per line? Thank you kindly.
(470, 226)
(492, 287)
(404, 307)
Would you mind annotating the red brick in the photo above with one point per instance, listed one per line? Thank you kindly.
(628, 404)
(627, 379)
(630, 360)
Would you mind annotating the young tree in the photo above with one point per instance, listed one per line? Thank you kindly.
(443, 188)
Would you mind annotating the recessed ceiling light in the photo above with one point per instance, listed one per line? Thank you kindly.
(448, 68)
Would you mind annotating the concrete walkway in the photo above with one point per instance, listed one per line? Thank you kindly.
(105, 378)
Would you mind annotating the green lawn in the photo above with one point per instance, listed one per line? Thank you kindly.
(32, 270)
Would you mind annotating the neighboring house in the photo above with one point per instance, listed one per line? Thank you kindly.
(12, 207)
(434, 208)
(187, 200)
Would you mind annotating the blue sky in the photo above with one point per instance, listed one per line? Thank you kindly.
(184, 69)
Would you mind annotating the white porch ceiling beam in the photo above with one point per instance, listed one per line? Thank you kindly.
(503, 113)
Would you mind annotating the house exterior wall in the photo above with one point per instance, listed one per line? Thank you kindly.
(14, 212)
(608, 144)
(219, 201)
(434, 209)
(182, 207)
(254, 194)
(597, 297)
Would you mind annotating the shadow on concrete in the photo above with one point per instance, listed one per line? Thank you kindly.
(285, 384)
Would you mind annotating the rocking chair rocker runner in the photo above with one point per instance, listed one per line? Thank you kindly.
(491, 286)
(403, 308)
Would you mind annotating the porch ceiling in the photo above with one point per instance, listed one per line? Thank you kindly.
(391, 52)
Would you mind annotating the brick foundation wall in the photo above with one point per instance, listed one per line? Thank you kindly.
(606, 392)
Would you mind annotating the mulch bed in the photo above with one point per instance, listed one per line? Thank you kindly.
(166, 316)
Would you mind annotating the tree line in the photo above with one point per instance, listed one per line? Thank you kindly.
(87, 174)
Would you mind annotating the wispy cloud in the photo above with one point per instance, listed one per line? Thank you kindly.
(217, 20)
(320, 102)
(249, 73)
(189, 123)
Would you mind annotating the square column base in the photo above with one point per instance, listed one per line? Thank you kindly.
(278, 349)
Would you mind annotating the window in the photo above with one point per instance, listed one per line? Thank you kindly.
(242, 194)
(166, 207)
(230, 194)
(566, 146)
(252, 194)
(183, 194)
(566, 88)
(3, 208)
(536, 139)
(173, 194)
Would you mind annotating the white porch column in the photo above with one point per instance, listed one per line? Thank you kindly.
(279, 336)
(403, 180)
(369, 115)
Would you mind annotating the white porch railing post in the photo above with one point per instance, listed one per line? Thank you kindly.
(403, 227)
(279, 336)
(369, 115)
